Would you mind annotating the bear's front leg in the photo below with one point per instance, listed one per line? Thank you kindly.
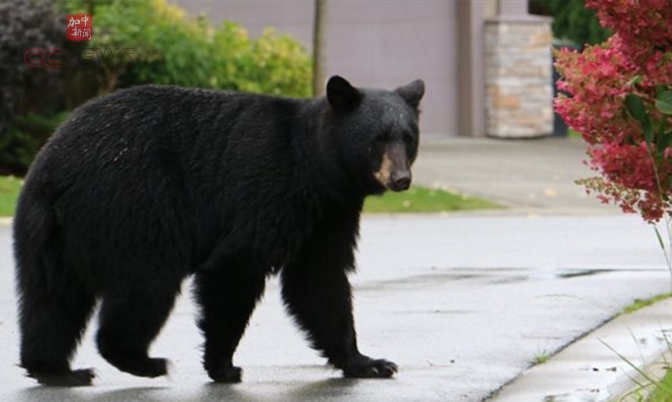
(227, 296)
(317, 293)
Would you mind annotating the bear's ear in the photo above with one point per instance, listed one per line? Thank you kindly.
(341, 95)
(412, 93)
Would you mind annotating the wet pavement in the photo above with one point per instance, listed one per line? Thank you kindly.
(462, 304)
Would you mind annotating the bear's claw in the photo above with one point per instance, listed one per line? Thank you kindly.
(227, 374)
(70, 378)
(371, 369)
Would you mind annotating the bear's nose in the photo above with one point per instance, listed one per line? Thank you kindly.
(400, 181)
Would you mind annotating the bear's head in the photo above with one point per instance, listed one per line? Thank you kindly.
(375, 133)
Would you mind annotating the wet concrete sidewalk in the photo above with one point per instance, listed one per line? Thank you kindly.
(597, 367)
(462, 303)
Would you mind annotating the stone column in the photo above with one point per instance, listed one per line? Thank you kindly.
(518, 70)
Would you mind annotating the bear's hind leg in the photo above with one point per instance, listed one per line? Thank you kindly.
(54, 306)
(52, 323)
(129, 322)
(227, 299)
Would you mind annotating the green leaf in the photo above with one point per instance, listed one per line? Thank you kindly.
(635, 107)
(634, 81)
(660, 89)
(664, 102)
(663, 141)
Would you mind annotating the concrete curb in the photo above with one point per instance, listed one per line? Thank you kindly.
(6, 221)
(589, 370)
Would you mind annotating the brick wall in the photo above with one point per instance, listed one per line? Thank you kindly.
(518, 78)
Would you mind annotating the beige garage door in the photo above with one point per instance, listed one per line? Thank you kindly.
(375, 43)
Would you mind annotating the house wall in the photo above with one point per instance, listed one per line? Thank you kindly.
(373, 43)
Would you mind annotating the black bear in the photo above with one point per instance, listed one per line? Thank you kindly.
(141, 188)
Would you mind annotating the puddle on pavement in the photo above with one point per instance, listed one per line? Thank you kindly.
(439, 311)
(492, 276)
(420, 281)
(584, 272)
(567, 273)
(588, 396)
(546, 274)
(507, 280)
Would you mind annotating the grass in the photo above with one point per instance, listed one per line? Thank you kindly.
(417, 199)
(541, 358)
(9, 193)
(649, 387)
(423, 199)
(663, 391)
(639, 304)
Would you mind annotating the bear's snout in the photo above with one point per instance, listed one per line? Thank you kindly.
(395, 172)
(400, 180)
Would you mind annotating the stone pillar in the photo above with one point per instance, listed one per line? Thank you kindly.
(518, 70)
(470, 68)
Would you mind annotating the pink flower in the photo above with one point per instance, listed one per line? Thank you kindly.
(637, 59)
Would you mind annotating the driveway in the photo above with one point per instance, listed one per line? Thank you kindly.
(536, 176)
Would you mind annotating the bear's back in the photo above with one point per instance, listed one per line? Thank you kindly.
(185, 160)
(147, 116)
(202, 131)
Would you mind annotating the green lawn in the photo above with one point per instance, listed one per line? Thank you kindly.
(423, 199)
(417, 199)
(9, 193)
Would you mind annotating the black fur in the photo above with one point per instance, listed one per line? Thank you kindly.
(141, 188)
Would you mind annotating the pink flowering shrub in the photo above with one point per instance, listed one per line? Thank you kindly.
(620, 100)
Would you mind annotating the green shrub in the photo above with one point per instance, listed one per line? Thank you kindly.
(278, 65)
(168, 48)
(571, 21)
(28, 24)
(19, 146)
(172, 49)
